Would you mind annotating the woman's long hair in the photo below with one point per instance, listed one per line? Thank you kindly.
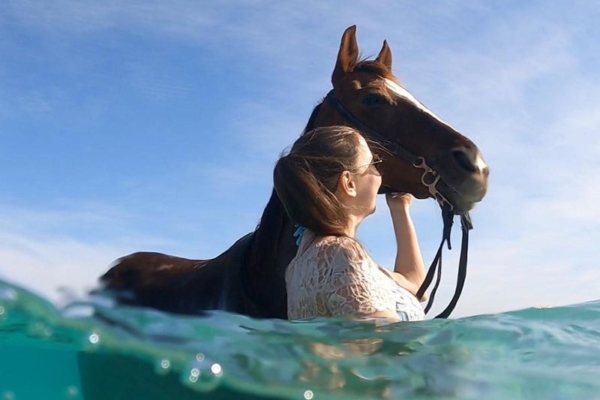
(306, 178)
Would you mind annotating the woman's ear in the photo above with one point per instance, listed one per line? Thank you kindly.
(347, 184)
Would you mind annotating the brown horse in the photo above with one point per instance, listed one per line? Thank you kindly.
(422, 155)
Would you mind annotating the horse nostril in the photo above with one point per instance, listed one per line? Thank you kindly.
(464, 161)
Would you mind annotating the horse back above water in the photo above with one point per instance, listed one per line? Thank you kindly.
(421, 155)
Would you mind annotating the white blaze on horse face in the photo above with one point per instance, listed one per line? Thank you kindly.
(480, 165)
(405, 94)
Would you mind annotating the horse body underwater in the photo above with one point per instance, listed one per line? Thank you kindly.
(249, 277)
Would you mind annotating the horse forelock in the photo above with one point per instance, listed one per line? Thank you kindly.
(376, 68)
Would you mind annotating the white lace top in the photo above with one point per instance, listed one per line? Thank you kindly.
(335, 276)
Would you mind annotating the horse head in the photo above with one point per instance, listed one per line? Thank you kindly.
(421, 154)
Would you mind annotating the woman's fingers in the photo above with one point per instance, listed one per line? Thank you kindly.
(399, 198)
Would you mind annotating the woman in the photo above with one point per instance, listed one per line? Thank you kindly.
(328, 184)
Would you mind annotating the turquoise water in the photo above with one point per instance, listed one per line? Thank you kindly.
(95, 351)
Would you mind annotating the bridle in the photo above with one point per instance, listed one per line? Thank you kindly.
(430, 179)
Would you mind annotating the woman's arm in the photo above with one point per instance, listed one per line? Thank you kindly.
(409, 262)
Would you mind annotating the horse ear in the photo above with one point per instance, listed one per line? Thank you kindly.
(347, 56)
(385, 55)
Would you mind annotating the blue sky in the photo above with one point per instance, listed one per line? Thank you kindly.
(149, 125)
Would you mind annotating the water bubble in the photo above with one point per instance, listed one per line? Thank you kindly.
(309, 395)
(162, 367)
(194, 375)
(94, 338)
(2, 311)
(216, 369)
(199, 357)
(202, 376)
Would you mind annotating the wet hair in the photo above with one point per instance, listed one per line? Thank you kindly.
(307, 177)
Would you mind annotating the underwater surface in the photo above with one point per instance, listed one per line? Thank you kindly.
(91, 350)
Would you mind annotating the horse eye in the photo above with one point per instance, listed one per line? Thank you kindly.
(372, 100)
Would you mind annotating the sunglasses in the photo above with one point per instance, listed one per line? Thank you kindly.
(375, 162)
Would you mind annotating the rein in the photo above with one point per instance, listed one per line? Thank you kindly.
(430, 179)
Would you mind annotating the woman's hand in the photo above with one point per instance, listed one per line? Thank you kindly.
(398, 201)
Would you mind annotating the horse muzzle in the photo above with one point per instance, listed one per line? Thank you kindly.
(465, 179)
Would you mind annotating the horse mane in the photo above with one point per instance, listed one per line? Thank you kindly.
(313, 116)
(269, 232)
(267, 236)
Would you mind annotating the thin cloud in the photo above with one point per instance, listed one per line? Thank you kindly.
(47, 264)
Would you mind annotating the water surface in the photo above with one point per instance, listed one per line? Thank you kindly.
(91, 350)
